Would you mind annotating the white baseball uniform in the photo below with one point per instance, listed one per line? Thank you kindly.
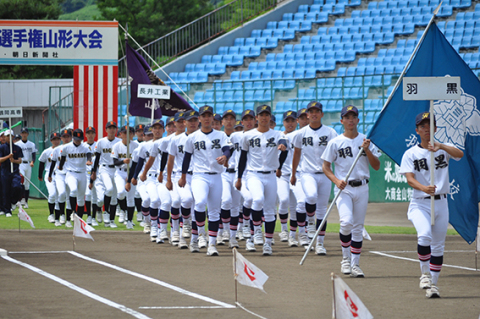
(106, 171)
(91, 194)
(60, 183)
(119, 152)
(46, 157)
(76, 170)
(28, 148)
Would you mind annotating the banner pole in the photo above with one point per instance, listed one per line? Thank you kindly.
(127, 119)
(19, 226)
(38, 189)
(11, 145)
(334, 310)
(432, 162)
(330, 208)
(234, 250)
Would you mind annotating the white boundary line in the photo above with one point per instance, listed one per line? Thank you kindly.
(39, 252)
(250, 312)
(155, 281)
(415, 260)
(414, 251)
(84, 292)
(185, 307)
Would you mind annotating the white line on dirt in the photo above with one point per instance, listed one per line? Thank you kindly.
(414, 251)
(416, 260)
(185, 307)
(39, 252)
(84, 292)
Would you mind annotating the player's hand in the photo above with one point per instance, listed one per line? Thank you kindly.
(430, 190)
(90, 185)
(293, 180)
(365, 144)
(40, 179)
(128, 186)
(282, 147)
(278, 173)
(341, 184)
(160, 177)
(222, 160)
(31, 164)
(126, 161)
(93, 176)
(134, 181)
(238, 184)
(89, 163)
(436, 146)
(182, 181)
(169, 185)
(143, 177)
(49, 179)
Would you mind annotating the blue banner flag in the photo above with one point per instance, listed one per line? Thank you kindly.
(458, 123)
(141, 73)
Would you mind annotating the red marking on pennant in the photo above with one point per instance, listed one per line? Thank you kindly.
(249, 273)
(82, 226)
(351, 306)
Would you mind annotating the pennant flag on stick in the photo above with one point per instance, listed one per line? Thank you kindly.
(22, 214)
(366, 235)
(247, 273)
(346, 304)
(458, 123)
(141, 73)
(81, 228)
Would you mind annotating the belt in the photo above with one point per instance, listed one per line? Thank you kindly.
(230, 170)
(154, 175)
(76, 172)
(436, 196)
(265, 172)
(122, 169)
(317, 173)
(210, 173)
(357, 183)
(190, 172)
(24, 162)
(109, 166)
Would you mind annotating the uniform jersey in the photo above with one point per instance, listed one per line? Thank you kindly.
(104, 147)
(92, 147)
(119, 151)
(262, 149)
(6, 166)
(46, 157)
(28, 148)
(142, 152)
(206, 147)
(343, 150)
(164, 146)
(56, 156)
(313, 143)
(76, 157)
(235, 140)
(177, 149)
(287, 166)
(416, 160)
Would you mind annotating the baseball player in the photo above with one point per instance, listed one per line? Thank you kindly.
(79, 156)
(29, 151)
(238, 126)
(217, 122)
(352, 202)
(140, 134)
(273, 122)
(210, 150)
(311, 142)
(170, 127)
(416, 167)
(91, 207)
(122, 161)
(261, 160)
(45, 161)
(11, 181)
(105, 187)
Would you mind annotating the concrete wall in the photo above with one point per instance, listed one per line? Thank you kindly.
(227, 39)
(28, 93)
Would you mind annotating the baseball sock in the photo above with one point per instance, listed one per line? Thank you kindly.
(27, 195)
(123, 204)
(163, 219)
(346, 240)
(424, 255)
(106, 203)
(269, 230)
(175, 219)
(194, 231)
(301, 217)
(73, 203)
(293, 228)
(51, 208)
(435, 267)
(154, 218)
(212, 232)
(310, 208)
(69, 214)
(246, 213)
(138, 204)
(146, 213)
(185, 212)
(225, 215)
(233, 226)
(283, 221)
(80, 210)
(321, 234)
(94, 210)
(130, 211)
(240, 221)
(60, 211)
(113, 210)
(88, 207)
(257, 220)
(355, 250)
(200, 219)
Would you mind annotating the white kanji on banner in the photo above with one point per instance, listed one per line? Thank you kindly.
(247, 273)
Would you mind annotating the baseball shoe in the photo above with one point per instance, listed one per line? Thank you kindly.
(158, 240)
(175, 238)
(129, 224)
(2, 213)
(139, 217)
(89, 220)
(283, 236)
(25, 205)
(226, 236)
(62, 219)
(320, 250)
(258, 237)
(68, 224)
(292, 242)
(121, 217)
(250, 246)
(356, 272)
(233, 243)
(182, 243)
(425, 281)
(267, 249)
(153, 232)
(99, 218)
(187, 229)
(220, 241)
(57, 223)
(146, 228)
(202, 241)
(433, 292)
(311, 230)
(194, 246)
(22, 202)
(94, 222)
(51, 218)
(212, 250)
(346, 267)
(112, 224)
(246, 230)
(8, 215)
(240, 236)
(106, 217)
(118, 211)
(303, 239)
(163, 234)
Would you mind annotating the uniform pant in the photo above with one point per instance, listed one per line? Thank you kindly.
(317, 189)
(263, 188)
(151, 184)
(207, 191)
(286, 198)
(352, 208)
(176, 200)
(91, 194)
(26, 170)
(52, 190)
(107, 186)
(297, 189)
(246, 195)
(62, 188)
(185, 193)
(231, 197)
(120, 181)
(11, 189)
(164, 196)
(77, 182)
(142, 191)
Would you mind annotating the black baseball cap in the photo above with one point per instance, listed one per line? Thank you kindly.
(217, 117)
(424, 116)
(67, 132)
(148, 129)
(315, 105)
(17, 137)
(24, 130)
(54, 136)
(171, 119)
(238, 124)
(90, 129)
(178, 116)
(301, 112)
(123, 129)
(290, 114)
(206, 109)
(273, 119)
(229, 112)
(248, 113)
(349, 109)
(139, 127)
(191, 115)
(110, 124)
(158, 122)
(264, 108)
(78, 135)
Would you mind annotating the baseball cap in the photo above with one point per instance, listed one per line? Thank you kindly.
(158, 122)
(17, 137)
(348, 109)
(8, 132)
(315, 105)
(191, 115)
(90, 129)
(110, 124)
(78, 135)
(264, 108)
(217, 117)
(54, 136)
(248, 113)
(206, 109)
(302, 112)
(123, 129)
(238, 124)
(139, 127)
(289, 114)
(171, 119)
(148, 129)
(66, 132)
(229, 112)
(24, 130)
(423, 117)
(178, 116)
(273, 118)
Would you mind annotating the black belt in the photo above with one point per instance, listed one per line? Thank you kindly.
(154, 175)
(357, 183)
(24, 162)
(265, 172)
(190, 173)
(436, 196)
(210, 173)
(230, 170)
(123, 169)
(109, 166)
(318, 173)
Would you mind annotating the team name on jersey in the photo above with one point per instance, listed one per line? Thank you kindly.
(309, 141)
(202, 146)
(107, 150)
(180, 149)
(422, 163)
(28, 149)
(77, 155)
(255, 142)
(236, 147)
(345, 152)
(49, 159)
(120, 155)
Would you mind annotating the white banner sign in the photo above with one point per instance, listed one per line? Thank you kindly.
(43, 42)
(153, 91)
(10, 112)
(431, 88)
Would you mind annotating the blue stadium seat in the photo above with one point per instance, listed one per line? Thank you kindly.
(266, 75)
(238, 108)
(272, 25)
(271, 66)
(287, 17)
(277, 74)
(299, 16)
(288, 48)
(198, 97)
(288, 74)
(281, 65)
(305, 26)
(208, 97)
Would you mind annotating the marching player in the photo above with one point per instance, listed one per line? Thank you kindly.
(260, 157)
(416, 167)
(210, 150)
(352, 202)
(170, 125)
(91, 207)
(29, 151)
(45, 161)
(238, 126)
(273, 122)
(11, 182)
(105, 186)
(217, 122)
(311, 142)
(140, 133)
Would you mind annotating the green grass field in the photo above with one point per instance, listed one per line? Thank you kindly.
(38, 212)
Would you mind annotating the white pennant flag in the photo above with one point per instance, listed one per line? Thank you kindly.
(366, 235)
(346, 304)
(247, 273)
(22, 214)
(81, 228)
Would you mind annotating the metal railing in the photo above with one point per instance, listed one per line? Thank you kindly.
(203, 29)
(60, 112)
